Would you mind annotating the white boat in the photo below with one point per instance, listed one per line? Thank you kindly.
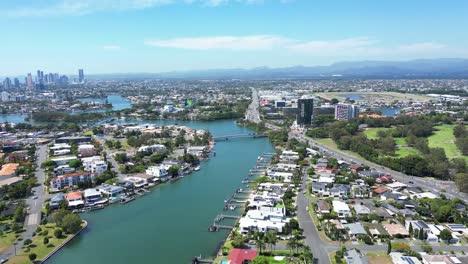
(197, 168)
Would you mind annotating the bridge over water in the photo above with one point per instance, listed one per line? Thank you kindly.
(232, 136)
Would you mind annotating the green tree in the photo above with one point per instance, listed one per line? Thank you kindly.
(410, 229)
(445, 235)
(32, 256)
(260, 260)
(71, 223)
(389, 247)
(75, 163)
(271, 239)
(46, 240)
(173, 170)
(58, 233)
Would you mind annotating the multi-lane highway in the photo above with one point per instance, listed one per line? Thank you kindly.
(252, 114)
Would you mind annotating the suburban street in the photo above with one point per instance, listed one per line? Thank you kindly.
(33, 219)
(429, 184)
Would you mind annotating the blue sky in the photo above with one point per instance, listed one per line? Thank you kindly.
(109, 36)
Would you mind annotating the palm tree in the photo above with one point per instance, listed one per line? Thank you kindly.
(292, 243)
(271, 239)
(260, 241)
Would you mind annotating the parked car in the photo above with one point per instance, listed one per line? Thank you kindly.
(3, 260)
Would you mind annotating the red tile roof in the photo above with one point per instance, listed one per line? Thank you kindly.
(237, 256)
(73, 195)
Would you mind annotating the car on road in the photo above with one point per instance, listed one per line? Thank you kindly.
(35, 197)
(307, 208)
(411, 182)
(3, 260)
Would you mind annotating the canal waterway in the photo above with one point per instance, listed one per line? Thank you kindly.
(169, 225)
(118, 103)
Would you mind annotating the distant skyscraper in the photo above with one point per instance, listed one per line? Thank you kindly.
(346, 111)
(80, 76)
(17, 83)
(305, 108)
(29, 82)
(6, 83)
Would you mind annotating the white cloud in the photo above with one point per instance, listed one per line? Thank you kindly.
(110, 47)
(333, 47)
(254, 42)
(83, 7)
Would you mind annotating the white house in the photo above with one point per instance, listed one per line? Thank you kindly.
(263, 219)
(153, 148)
(159, 172)
(341, 209)
(94, 164)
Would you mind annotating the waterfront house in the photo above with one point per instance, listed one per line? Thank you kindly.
(159, 172)
(92, 195)
(137, 182)
(280, 176)
(241, 256)
(341, 209)
(111, 191)
(55, 200)
(71, 179)
(264, 219)
(75, 200)
(198, 151)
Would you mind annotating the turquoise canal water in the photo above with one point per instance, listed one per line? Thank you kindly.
(169, 225)
(118, 103)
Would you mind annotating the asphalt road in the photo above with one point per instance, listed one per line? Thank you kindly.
(33, 219)
(252, 114)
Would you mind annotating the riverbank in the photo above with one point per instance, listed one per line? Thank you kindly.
(179, 212)
(42, 250)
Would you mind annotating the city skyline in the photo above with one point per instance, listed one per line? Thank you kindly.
(168, 35)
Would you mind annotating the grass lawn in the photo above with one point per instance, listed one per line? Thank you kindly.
(378, 258)
(39, 248)
(443, 138)
(330, 143)
(7, 239)
(272, 260)
(401, 151)
(371, 133)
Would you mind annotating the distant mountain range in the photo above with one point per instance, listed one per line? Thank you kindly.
(421, 68)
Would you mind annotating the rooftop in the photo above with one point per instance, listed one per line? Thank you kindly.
(8, 169)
